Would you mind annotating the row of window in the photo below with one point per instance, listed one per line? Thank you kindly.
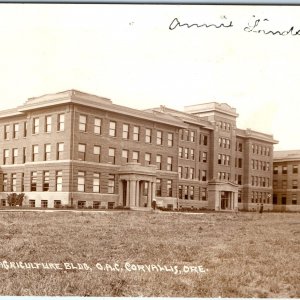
(224, 159)
(260, 150)
(284, 184)
(187, 153)
(260, 197)
(48, 126)
(276, 199)
(260, 181)
(224, 143)
(190, 136)
(284, 169)
(186, 192)
(224, 125)
(260, 165)
(189, 173)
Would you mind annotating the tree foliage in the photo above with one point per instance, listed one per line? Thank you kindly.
(15, 199)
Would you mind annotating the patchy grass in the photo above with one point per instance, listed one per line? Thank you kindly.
(245, 255)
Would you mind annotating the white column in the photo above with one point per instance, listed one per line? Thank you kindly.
(137, 199)
(132, 193)
(149, 193)
(127, 194)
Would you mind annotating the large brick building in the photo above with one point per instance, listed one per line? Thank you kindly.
(286, 181)
(78, 149)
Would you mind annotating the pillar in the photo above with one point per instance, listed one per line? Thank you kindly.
(121, 192)
(149, 193)
(127, 193)
(137, 195)
(132, 193)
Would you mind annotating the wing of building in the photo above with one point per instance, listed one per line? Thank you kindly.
(77, 149)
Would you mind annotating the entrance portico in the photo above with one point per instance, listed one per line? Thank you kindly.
(222, 195)
(137, 185)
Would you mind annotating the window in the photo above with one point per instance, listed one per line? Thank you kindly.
(136, 133)
(97, 125)
(81, 181)
(186, 153)
(186, 172)
(15, 131)
(6, 132)
(228, 143)
(158, 161)
(192, 192)
(204, 175)
(275, 170)
(15, 155)
(47, 153)
(205, 140)
(240, 163)
(192, 154)
(283, 199)
(82, 123)
(204, 157)
(44, 203)
(24, 155)
(169, 188)
(239, 179)
(96, 204)
(181, 134)
(135, 156)
(185, 192)
(35, 152)
(180, 172)
(203, 194)
(111, 184)
(111, 155)
(169, 163)
(125, 133)
(112, 128)
(33, 181)
(147, 159)
(97, 153)
(284, 184)
(148, 135)
(46, 181)
(36, 126)
(96, 183)
(81, 151)
(58, 181)
(22, 182)
(275, 184)
(284, 169)
(60, 151)
(13, 182)
(57, 203)
(170, 139)
(295, 169)
(274, 199)
(3, 202)
(32, 203)
(25, 129)
(48, 123)
(180, 152)
(294, 199)
(81, 204)
(295, 184)
(5, 156)
(192, 136)
(192, 173)
(5, 182)
(159, 137)
(219, 159)
(240, 147)
(61, 122)
(180, 192)
(158, 187)
(125, 155)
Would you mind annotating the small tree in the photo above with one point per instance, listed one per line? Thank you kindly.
(15, 199)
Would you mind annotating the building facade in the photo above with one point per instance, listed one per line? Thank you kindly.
(77, 149)
(286, 180)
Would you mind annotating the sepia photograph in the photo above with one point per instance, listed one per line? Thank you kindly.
(150, 150)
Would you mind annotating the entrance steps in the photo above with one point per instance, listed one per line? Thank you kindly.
(141, 208)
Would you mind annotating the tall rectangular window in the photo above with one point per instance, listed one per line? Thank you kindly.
(111, 184)
(147, 159)
(192, 192)
(16, 131)
(82, 123)
(180, 172)
(58, 181)
(180, 152)
(192, 136)
(81, 151)
(125, 156)
(295, 169)
(61, 122)
(180, 192)
(295, 184)
(158, 187)
(48, 124)
(136, 133)
(159, 137)
(15, 155)
(169, 188)
(60, 151)
(192, 154)
(46, 181)
(97, 153)
(170, 139)
(203, 194)
(36, 126)
(239, 180)
(284, 170)
(204, 157)
(294, 199)
(112, 155)
(186, 153)
(96, 183)
(97, 125)
(44, 203)
(5, 182)
(5, 156)
(204, 175)
(169, 163)
(22, 182)
(112, 128)
(148, 135)
(125, 132)
(47, 152)
(135, 156)
(240, 163)
(192, 173)
(25, 124)
(275, 170)
(35, 152)
(33, 181)
(13, 182)
(81, 181)
(6, 132)
(205, 140)
(158, 161)
(24, 155)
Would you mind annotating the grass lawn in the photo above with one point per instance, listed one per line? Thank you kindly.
(243, 255)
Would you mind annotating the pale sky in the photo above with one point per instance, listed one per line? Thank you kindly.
(128, 54)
